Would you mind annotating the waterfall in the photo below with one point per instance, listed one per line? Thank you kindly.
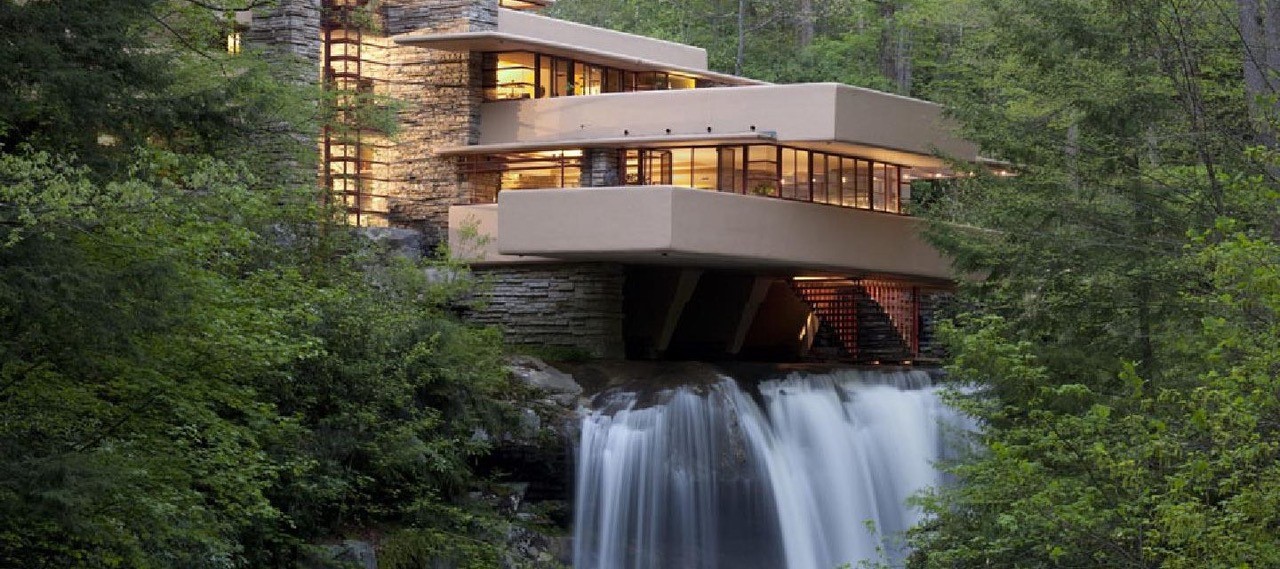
(811, 473)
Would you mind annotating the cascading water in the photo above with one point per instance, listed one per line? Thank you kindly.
(812, 474)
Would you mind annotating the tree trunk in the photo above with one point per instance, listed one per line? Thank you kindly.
(804, 27)
(902, 60)
(894, 47)
(742, 36)
(1255, 55)
(1260, 35)
(888, 45)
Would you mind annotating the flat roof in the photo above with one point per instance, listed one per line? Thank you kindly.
(523, 31)
(501, 41)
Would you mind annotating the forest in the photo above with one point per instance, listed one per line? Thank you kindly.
(199, 368)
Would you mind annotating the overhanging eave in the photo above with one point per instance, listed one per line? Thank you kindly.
(503, 41)
(608, 142)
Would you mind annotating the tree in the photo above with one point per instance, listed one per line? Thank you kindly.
(1122, 398)
(199, 366)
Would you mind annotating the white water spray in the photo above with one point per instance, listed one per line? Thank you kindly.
(815, 475)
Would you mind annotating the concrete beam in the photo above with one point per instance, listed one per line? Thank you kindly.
(758, 291)
(688, 282)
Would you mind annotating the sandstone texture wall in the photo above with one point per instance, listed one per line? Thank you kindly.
(437, 95)
(440, 94)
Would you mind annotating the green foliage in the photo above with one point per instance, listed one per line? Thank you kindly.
(198, 368)
(1123, 343)
(132, 432)
(851, 41)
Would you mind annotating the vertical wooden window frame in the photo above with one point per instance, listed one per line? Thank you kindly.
(809, 177)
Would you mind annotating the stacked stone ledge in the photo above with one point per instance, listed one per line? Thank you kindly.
(573, 306)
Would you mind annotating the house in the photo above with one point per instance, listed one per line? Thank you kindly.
(622, 198)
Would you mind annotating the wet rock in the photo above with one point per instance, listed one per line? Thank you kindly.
(406, 242)
(560, 387)
(532, 548)
(529, 424)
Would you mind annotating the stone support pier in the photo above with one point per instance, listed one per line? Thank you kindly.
(573, 307)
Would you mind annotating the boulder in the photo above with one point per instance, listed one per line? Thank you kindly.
(406, 242)
(559, 386)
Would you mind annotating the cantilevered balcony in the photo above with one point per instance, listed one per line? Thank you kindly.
(679, 226)
(827, 117)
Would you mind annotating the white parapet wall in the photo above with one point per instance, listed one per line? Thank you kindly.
(821, 116)
(680, 226)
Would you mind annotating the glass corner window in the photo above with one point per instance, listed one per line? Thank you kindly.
(510, 75)
(680, 82)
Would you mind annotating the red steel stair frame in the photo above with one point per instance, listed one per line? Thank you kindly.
(875, 320)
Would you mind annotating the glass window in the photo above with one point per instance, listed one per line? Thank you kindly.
(680, 82)
(834, 175)
(579, 79)
(562, 83)
(704, 168)
(612, 80)
(523, 75)
(863, 183)
(877, 187)
(534, 170)
(682, 167)
(819, 176)
(657, 167)
(730, 169)
(739, 170)
(804, 180)
(788, 173)
(631, 168)
(891, 189)
(544, 77)
(593, 80)
(651, 81)
(904, 191)
(762, 170)
(759, 169)
(848, 182)
(509, 75)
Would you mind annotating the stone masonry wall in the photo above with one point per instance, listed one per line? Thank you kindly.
(599, 168)
(292, 27)
(577, 306)
(934, 306)
(289, 33)
(572, 306)
(438, 94)
(441, 96)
